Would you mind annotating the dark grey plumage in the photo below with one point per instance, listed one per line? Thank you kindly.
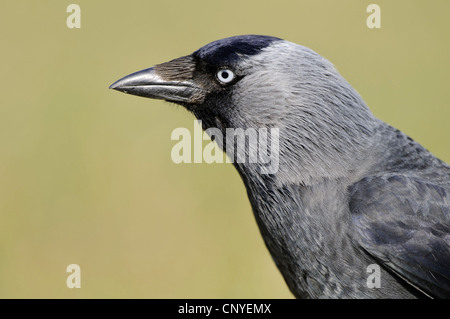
(350, 190)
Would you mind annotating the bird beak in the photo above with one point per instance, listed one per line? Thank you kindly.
(149, 83)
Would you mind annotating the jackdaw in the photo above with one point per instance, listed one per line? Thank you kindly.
(356, 209)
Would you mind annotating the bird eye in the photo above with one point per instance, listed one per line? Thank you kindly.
(225, 76)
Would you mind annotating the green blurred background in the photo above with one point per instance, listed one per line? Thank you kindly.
(85, 172)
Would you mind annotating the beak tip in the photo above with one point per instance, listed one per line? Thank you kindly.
(114, 86)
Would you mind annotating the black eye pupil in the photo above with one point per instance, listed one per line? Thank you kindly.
(225, 74)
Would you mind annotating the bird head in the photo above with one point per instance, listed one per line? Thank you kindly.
(255, 81)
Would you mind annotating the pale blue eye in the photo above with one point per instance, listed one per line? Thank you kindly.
(225, 76)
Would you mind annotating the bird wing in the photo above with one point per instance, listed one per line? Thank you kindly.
(404, 222)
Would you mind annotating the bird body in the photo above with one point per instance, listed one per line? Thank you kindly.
(350, 191)
(335, 228)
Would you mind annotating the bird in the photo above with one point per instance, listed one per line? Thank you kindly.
(352, 196)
